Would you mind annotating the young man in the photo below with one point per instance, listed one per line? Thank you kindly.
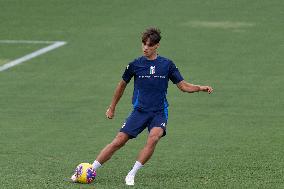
(151, 74)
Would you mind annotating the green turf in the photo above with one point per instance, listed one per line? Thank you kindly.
(52, 107)
(3, 61)
(14, 51)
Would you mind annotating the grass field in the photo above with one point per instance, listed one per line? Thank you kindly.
(52, 107)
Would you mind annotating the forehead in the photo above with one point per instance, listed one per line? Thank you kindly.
(148, 42)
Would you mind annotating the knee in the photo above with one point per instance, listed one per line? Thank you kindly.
(116, 144)
(153, 139)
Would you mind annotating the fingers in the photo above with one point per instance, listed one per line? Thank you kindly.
(109, 114)
(209, 90)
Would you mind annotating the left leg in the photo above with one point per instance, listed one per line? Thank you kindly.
(157, 129)
(145, 154)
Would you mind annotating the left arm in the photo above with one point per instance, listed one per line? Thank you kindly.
(191, 88)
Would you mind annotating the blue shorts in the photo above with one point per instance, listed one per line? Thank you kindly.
(139, 120)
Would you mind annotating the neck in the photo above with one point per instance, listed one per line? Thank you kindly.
(152, 57)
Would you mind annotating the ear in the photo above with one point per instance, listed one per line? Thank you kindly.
(157, 45)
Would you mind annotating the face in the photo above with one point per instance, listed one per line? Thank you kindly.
(149, 50)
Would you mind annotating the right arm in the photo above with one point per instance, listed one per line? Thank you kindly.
(116, 97)
(126, 77)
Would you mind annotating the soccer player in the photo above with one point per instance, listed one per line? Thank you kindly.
(151, 73)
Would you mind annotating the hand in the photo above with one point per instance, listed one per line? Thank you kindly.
(110, 112)
(208, 89)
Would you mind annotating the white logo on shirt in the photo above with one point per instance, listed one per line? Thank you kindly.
(152, 69)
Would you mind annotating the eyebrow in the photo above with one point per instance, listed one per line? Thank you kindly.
(150, 44)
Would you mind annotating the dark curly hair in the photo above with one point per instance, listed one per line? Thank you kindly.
(153, 34)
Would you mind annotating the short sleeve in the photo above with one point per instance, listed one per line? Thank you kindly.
(128, 73)
(174, 74)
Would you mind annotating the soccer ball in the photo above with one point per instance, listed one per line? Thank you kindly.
(85, 173)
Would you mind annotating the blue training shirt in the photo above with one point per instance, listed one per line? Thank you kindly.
(151, 79)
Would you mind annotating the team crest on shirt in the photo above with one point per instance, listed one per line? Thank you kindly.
(152, 69)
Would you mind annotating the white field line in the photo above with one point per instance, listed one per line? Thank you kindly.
(54, 45)
(27, 41)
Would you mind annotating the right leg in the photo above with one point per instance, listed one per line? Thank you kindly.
(119, 141)
(131, 128)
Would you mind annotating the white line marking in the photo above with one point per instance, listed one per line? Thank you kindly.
(27, 41)
(218, 24)
(54, 45)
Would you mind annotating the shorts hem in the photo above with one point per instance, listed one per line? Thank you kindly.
(131, 136)
(165, 130)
